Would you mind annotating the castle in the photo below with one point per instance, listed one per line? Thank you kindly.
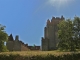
(17, 45)
(48, 42)
(50, 39)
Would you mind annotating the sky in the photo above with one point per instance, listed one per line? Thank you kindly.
(27, 18)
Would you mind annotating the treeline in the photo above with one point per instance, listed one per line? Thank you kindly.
(69, 34)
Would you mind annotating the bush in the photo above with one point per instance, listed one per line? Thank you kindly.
(40, 57)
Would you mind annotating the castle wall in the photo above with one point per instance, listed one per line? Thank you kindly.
(17, 46)
(53, 29)
(24, 48)
(51, 38)
(44, 43)
(50, 32)
(10, 45)
(45, 32)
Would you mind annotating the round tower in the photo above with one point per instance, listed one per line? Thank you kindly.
(17, 37)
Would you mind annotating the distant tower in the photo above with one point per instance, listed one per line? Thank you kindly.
(10, 38)
(50, 40)
(10, 43)
(17, 37)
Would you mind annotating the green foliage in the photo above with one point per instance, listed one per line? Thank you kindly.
(76, 24)
(34, 45)
(65, 34)
(5, 49)
(73, 56)
(69, 34)
(3, 38)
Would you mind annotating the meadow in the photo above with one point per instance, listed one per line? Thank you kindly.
(34, 53)
(39, 55)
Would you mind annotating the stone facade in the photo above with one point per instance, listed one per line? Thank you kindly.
(17, 45)
(50, 40)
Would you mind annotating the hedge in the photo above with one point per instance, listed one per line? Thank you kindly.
(40, 57)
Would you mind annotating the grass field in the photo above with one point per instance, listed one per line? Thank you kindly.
(34, 53)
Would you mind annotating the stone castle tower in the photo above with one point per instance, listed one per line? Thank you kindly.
(50, 40)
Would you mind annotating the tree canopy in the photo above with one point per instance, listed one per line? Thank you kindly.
(69, 34)
(3, 38)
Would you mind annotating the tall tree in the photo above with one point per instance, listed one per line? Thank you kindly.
(65, 35)
(76, 23)
(3, 38)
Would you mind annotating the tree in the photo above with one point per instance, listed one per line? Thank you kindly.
(3, 38)
(76, 24)
(65, 35)
(34, 46)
